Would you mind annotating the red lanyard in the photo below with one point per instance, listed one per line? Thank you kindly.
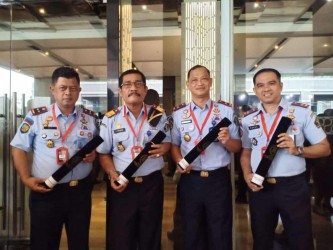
(206, 118)
(63, 138)
(136, 135)
(268, 135)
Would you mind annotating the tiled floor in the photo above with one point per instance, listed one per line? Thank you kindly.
(323, 227)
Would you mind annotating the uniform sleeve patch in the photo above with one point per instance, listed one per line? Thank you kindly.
(250, 112)
(179, 106)
(112, 113)
(298, 104)
(38, 111)
(225, 103)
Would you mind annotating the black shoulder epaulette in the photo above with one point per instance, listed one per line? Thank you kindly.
(111, 113)
(154, 115)
(299, 104)
(89, 112)
(250, 112)
(225, 103)
(179, 106)
(38, 111)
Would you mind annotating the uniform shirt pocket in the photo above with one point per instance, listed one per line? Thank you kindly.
(258, 139)
(121, 136)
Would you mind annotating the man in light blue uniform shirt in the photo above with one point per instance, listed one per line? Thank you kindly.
(135, 208)
(285, 190)
(204, 186)
(54, 134)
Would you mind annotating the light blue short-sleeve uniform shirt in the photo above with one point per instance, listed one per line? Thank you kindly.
(119, 139)
(39, 132)
(305, 125)
(186, 134)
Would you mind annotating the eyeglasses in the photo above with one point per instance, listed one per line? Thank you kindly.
(71, 88)
(129, 84)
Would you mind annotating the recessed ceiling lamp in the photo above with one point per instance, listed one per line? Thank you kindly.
(41, 11)
(144, 7)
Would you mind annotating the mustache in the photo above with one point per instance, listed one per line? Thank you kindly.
(134, 93)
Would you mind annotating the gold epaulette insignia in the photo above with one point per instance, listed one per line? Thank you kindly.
(250, 112)
(179, 106)
(89, 112)
(299, 104)
(225, 103)
(158, 108)
(38, 111)
(111, 113)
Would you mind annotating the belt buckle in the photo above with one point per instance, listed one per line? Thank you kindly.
(73, 183)
(204, 173)
(138, 179)
(271, 180)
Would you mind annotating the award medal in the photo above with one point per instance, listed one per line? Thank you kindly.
(56, 133)
(187, 137)
(200, 129)
(272, 129)
(118, 125)
(120, 147)
(50, 143)
(196, 143)
(62, 155)
(149, 133)
(44, 136)
(135, 150)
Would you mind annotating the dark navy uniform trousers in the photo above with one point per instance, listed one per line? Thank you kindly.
(206, 210)
(135, 215)
(289, 197)
(65, 205)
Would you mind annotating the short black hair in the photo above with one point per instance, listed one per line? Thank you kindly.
(196, 67)
(131, 71)
(66, 72)
(277, 73)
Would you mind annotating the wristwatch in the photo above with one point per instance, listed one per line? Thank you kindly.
(300, 151)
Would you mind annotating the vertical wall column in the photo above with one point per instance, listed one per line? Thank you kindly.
(200, 42)
(113, 46)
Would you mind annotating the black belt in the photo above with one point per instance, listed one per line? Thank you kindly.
(283, 179)
(205, 173)
(141, 179)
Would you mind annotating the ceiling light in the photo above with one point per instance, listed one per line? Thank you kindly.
(41, 11)
(325, 45)
(256, 5)
(144, 7)
(276, 46)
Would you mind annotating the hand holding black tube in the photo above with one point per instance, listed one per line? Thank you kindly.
(72, 162)
(270, 152)
(139, 159)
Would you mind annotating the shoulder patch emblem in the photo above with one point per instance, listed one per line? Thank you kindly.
(112, 112)
(250, 112)
(298, 104)
(225, 103)
(179, 106)
(89, 112)
(38, 111)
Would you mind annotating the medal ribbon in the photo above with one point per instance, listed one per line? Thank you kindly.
(268, 135)
(206, 118)
(136, 135)
(63, 138)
